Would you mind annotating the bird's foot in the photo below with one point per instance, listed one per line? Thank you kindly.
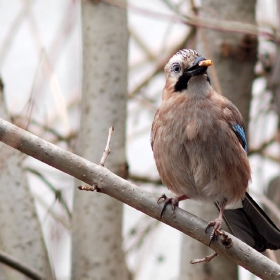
(217, 225)
(226, 241)
(174, 201)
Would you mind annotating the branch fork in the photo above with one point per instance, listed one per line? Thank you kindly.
(106, 153)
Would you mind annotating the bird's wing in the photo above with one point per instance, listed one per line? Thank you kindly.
(240, 133)
(237, 124)
(248, 221)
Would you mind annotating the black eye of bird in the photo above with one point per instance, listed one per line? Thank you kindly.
(176, 68)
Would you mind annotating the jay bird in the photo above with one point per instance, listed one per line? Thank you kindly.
(200, 149)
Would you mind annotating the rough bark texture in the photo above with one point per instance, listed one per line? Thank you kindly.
(234, 57)
(97, 219)
(20, 235)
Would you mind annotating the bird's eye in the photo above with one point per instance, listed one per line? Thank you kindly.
(176, 68)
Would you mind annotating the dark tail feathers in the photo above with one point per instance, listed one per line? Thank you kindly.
(251, 225)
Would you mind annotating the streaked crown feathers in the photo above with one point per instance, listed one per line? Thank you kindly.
(185, 58)
(187, 53)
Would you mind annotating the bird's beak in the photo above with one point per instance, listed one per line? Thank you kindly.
(206, 62)
(199, 67)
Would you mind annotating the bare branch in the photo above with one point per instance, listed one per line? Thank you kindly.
(268, 204)
(53, 214)
(19, 266)
(206, 259)
(122, 190)
(263, 146)
(215, 24)
(107, 148)
(57, 193)
(160, 65)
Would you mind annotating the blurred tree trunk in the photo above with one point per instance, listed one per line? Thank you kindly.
(97, 219)
(234, 56)
(273, 190)
(20, 234)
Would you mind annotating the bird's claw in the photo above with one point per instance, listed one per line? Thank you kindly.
(226, 241)
(168, 200)
(217, 224)
(162, 197)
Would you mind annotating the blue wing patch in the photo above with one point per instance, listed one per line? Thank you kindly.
(240, 133)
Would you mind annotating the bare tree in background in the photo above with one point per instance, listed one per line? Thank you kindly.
(97, 219)
(20, 235)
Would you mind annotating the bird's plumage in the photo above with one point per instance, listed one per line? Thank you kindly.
(198, 136)
(195, 147)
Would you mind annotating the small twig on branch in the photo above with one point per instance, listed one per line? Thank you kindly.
(226, 241)
(89, 188)
(107, 148)
(102, 162)
(206, 259)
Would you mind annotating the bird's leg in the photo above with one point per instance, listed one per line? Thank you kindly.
(174, 201)
(217, 223)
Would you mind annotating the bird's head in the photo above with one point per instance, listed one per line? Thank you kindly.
(184, 65)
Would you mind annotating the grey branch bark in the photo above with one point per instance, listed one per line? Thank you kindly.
(124, 191)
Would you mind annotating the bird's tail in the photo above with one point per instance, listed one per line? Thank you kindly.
(251, 225)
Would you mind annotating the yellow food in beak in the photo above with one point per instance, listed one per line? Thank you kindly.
(206, 62)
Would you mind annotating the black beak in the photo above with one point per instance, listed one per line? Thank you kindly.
(199, 67)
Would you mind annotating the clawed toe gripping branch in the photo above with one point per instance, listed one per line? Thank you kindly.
(226, 241)
(167, 200)
(216, 224)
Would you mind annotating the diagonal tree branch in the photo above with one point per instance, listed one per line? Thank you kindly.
(215, 24)
(124, 191)
(21, 267)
